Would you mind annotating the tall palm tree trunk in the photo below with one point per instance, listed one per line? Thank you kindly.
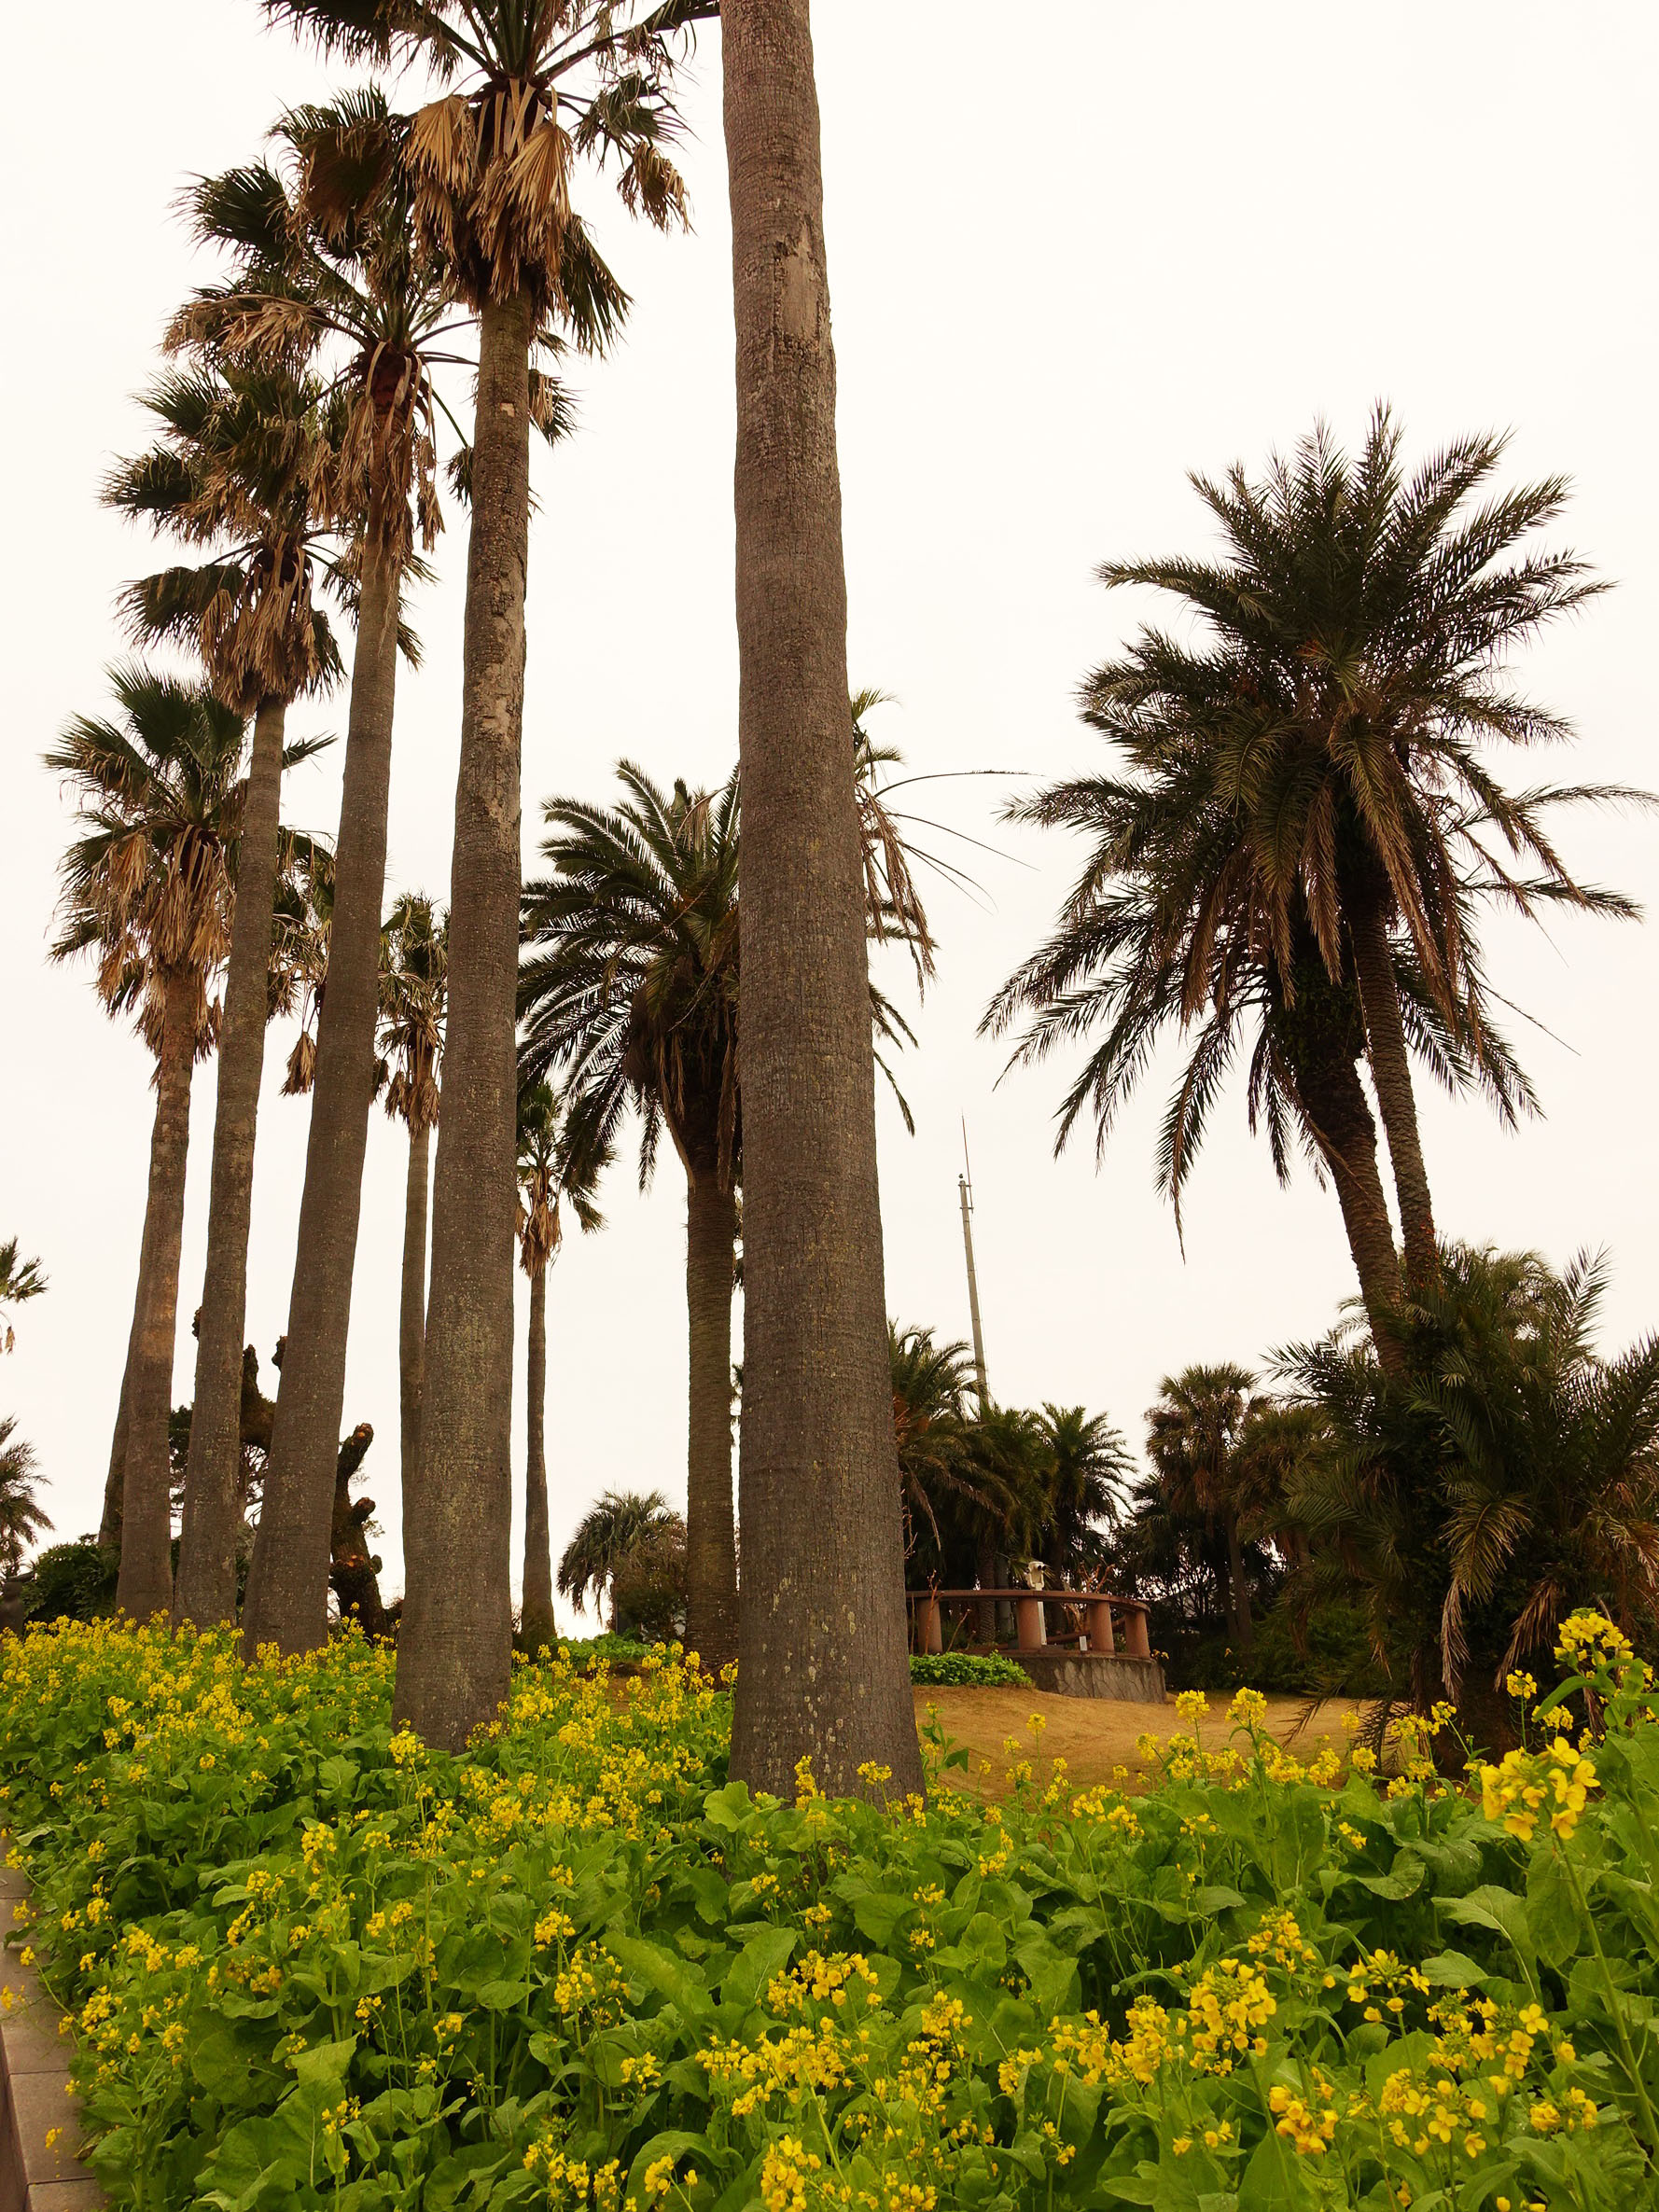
(1244, 1628)
(711, 1544)
(538, 1617)
(207, 1592)
(455, 1648)
(412, 1312)
(1333, 1101)
(822, 1668)
(1391, 1075)
(109, 1519)
(145, 1585)
(288, 1593)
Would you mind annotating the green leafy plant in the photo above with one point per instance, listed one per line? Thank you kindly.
(976, 1670)
(309, 1962)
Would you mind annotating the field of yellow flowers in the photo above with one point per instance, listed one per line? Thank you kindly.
(307, 1963)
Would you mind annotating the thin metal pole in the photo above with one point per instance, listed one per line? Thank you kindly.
(965, 1189)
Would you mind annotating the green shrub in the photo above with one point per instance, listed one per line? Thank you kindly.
(1331, 1656)
(981, 1670)
(311, 1964)
(72, 1581)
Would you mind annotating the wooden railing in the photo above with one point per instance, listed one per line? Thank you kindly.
(1092, 1609)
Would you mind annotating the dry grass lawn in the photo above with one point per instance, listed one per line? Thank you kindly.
(1094, 1734)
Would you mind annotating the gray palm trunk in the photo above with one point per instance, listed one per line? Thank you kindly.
(1238, 1595)
(411, 1310)
(287, 1592)
(535, 1622)
(822, 1669)
(145, 1585)
(1391, 1076)
(207, 1592)
(1334, 1103)
(711, 1547)
(454, 1645)
(109, 1519)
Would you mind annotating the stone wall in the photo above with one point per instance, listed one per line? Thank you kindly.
(1094, 1674)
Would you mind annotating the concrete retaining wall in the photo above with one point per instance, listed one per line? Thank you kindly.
(34, 2099)
(1094, 1674)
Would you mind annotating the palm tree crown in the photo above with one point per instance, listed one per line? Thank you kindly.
(413, 972)
(555, 1169)
(22, 1517)
(19, 1281)
(631, 979)
(618, 1525)
(147, 884)
(239, 469)
(1309, 825)
(538, 84)
(326, 287)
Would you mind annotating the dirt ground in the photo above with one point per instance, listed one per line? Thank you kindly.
(1093, 1734)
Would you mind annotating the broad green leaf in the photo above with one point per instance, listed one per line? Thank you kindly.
(1552, 1912)
(1452, 1970)
(763, 1956)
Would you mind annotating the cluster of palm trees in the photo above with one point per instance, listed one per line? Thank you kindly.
(1427, 1522)
(1291, 858)
(302, 428)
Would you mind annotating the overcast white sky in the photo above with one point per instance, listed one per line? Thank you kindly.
(1065, 271)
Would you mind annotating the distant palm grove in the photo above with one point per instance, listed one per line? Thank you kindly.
(1315, 789)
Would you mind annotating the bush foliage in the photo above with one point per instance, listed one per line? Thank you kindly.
(310, 1963)
(981, 1670)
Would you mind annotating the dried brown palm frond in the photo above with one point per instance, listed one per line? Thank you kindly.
(528, 92)
(413, 986)
(147, 882)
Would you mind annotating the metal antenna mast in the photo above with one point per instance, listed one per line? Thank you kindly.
(965, 1189)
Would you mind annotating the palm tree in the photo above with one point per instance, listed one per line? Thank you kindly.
(414, 960)
(610, 1535)
(147, 890)
(489, 164)
(1335, 721)
(21, 1515)
(630, 985)
(1193, 1440)
(1281, 1447)
(325, 269)
(823, 1544)
(1510, 1475)
(1167, 925)
(554, 1164)
(1092, 1466)
(236, 471)
(930, 1386)
(19, 1281)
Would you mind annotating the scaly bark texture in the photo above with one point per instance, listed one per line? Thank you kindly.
(145, 1586)
(454, 1644)
(1391, 1075)
(287, 1594)
(207, 1592)
(711, 1538)
(822, 1669)
(535, 1622)
(1328, 1041)
(412, 1312)
(109, 1521)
